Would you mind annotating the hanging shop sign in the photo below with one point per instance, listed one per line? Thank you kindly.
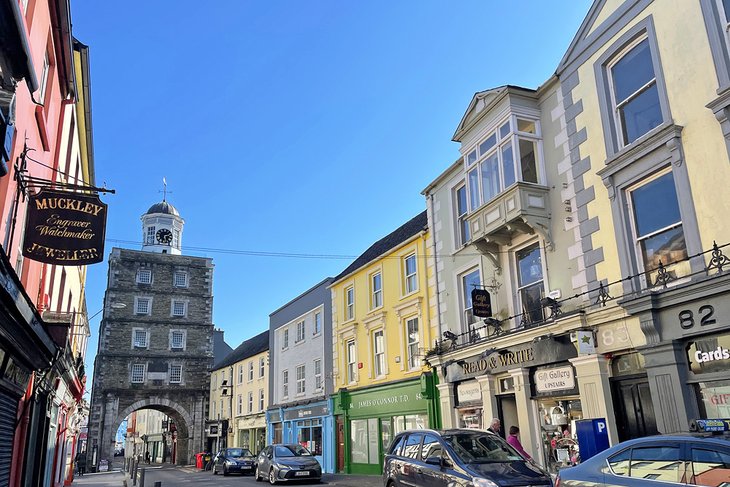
(481, 303)
(554, 379)
(65, 228)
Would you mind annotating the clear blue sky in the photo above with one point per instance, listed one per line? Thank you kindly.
(305, 127)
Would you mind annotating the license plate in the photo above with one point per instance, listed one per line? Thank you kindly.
(302, 474)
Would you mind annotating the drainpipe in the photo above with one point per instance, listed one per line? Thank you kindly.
(435, 265)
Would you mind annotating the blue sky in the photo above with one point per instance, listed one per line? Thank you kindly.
(303, 127)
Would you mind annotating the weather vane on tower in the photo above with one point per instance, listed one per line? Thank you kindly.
(164, 189)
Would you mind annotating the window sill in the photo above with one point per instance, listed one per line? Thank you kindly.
(408, 295)
(644, 145)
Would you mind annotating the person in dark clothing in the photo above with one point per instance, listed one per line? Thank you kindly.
(496, 427)
(81, 463)
(147, 457)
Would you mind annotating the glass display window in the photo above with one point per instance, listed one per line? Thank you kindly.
(714, 399)
(557, 423)
(309, 435)
(469, 417)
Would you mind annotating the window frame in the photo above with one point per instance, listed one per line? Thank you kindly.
(240, 373)
(143, 299)
(376, 289)
(411, 358)
(132, 372)
(262, 367)
(350, 303)
(239, 404)
(250, 402)
(173, 309)
(177, 367)
(142, 331)
(351, 361)
(519, 309)
(318, 383)
(317, 323)
(285, 338)
(262, 400)
(407, 276)
(463, 228)
(183, 339)
(150, 236)
(643, 29)
(177, 274)
(301, 331)
(285, 383)
(484, 153)
(140, 273)
(380, 367)
(301, 382)
(465, 294)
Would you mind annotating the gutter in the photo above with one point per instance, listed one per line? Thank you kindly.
(27, 69)
(83, 50)
(61, 23)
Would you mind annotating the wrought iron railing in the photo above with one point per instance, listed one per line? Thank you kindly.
(656, 279)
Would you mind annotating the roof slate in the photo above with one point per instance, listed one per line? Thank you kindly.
(389, 242)
(249, 348)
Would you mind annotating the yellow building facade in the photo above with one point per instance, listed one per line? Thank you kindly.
(383, 326)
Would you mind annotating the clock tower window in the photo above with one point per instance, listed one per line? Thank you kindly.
(150, 235)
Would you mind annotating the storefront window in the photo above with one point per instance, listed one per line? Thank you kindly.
(470, 417)
(410, 422)
(714, 399)
(557, 418)
(277, 433)
(385, 432)
(310, 435)
(359, 440)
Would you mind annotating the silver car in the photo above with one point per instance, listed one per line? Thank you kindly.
(655, 461)
(281, 463)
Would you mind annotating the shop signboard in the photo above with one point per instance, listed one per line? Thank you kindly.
(554, 379)
(65, 228)
(308, 412)
(481, 303)
(393, 399)
(469, 392)
(709, 354)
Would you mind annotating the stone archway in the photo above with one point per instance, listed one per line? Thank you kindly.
(187, 440)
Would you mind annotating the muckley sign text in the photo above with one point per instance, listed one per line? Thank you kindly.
(65, 228)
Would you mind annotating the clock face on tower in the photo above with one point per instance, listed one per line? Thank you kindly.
(164, 236)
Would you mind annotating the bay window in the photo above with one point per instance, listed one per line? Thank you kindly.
(506, 155)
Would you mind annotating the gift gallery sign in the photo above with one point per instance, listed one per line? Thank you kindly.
(65, 228)
(556, 379)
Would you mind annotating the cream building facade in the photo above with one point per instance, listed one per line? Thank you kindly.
(585, 213)
(239, 397)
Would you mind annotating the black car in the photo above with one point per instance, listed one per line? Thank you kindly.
(239, 460)
(458, 457)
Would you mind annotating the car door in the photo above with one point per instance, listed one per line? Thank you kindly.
(649, 464)
(709, 464)
(263, 461)
(409, 467)
(432, 473)
(218, 462)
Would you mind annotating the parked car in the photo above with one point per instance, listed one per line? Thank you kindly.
(239, 460)
(458, 457)
(655, 461)
(287, 462)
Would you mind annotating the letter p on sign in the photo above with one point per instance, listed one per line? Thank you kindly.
(601, 426)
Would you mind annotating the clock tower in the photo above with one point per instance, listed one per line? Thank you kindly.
(162, 229)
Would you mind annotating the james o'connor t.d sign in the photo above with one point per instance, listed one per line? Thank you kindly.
(65, 228)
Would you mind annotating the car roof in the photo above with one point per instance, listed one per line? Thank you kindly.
(678, 437)
(449, 431)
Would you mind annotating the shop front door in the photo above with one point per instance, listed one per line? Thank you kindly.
(634, 409)
(340, 444)
(507, 408)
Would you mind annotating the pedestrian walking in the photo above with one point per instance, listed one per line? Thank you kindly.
(496, 427)
(147, 457)
(514, 440)
(81, 463)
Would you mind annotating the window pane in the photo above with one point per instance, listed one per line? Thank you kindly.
(710, 468)
(528, 160)
(620, 463)
(487, 144)
(667, 247)
(529, 265)
(412, 447)
(530, 297)
(461, 201)
(474, 188)
(469, 282)
(490, 177)
(655, 205)
(431, 447)
(656, 463)
(504, 130)
(508, 165)
(471, 158)
(359, 439)
(726, 8)
(641, 114)
(527, 126)
(632, 71)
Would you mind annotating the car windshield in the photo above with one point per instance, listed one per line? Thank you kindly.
(238, 452)
(292, 451)
(479, 447)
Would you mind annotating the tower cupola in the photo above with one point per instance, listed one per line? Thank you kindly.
(162, 229)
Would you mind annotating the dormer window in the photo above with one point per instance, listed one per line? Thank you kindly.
(507, 154)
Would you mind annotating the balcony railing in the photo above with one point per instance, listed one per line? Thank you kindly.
(657, 279)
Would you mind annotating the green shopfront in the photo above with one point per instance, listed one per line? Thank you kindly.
(369, 418)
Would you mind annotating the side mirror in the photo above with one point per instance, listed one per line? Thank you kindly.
(434, 461)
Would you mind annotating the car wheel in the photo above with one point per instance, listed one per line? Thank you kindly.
(272, 477)
(215, 472)
(225, 471)
(256, 474)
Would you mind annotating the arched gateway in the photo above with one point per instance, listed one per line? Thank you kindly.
(155, 339)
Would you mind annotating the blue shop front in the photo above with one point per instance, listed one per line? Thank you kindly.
(310, 425)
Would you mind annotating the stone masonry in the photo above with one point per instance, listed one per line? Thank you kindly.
(122, 345)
